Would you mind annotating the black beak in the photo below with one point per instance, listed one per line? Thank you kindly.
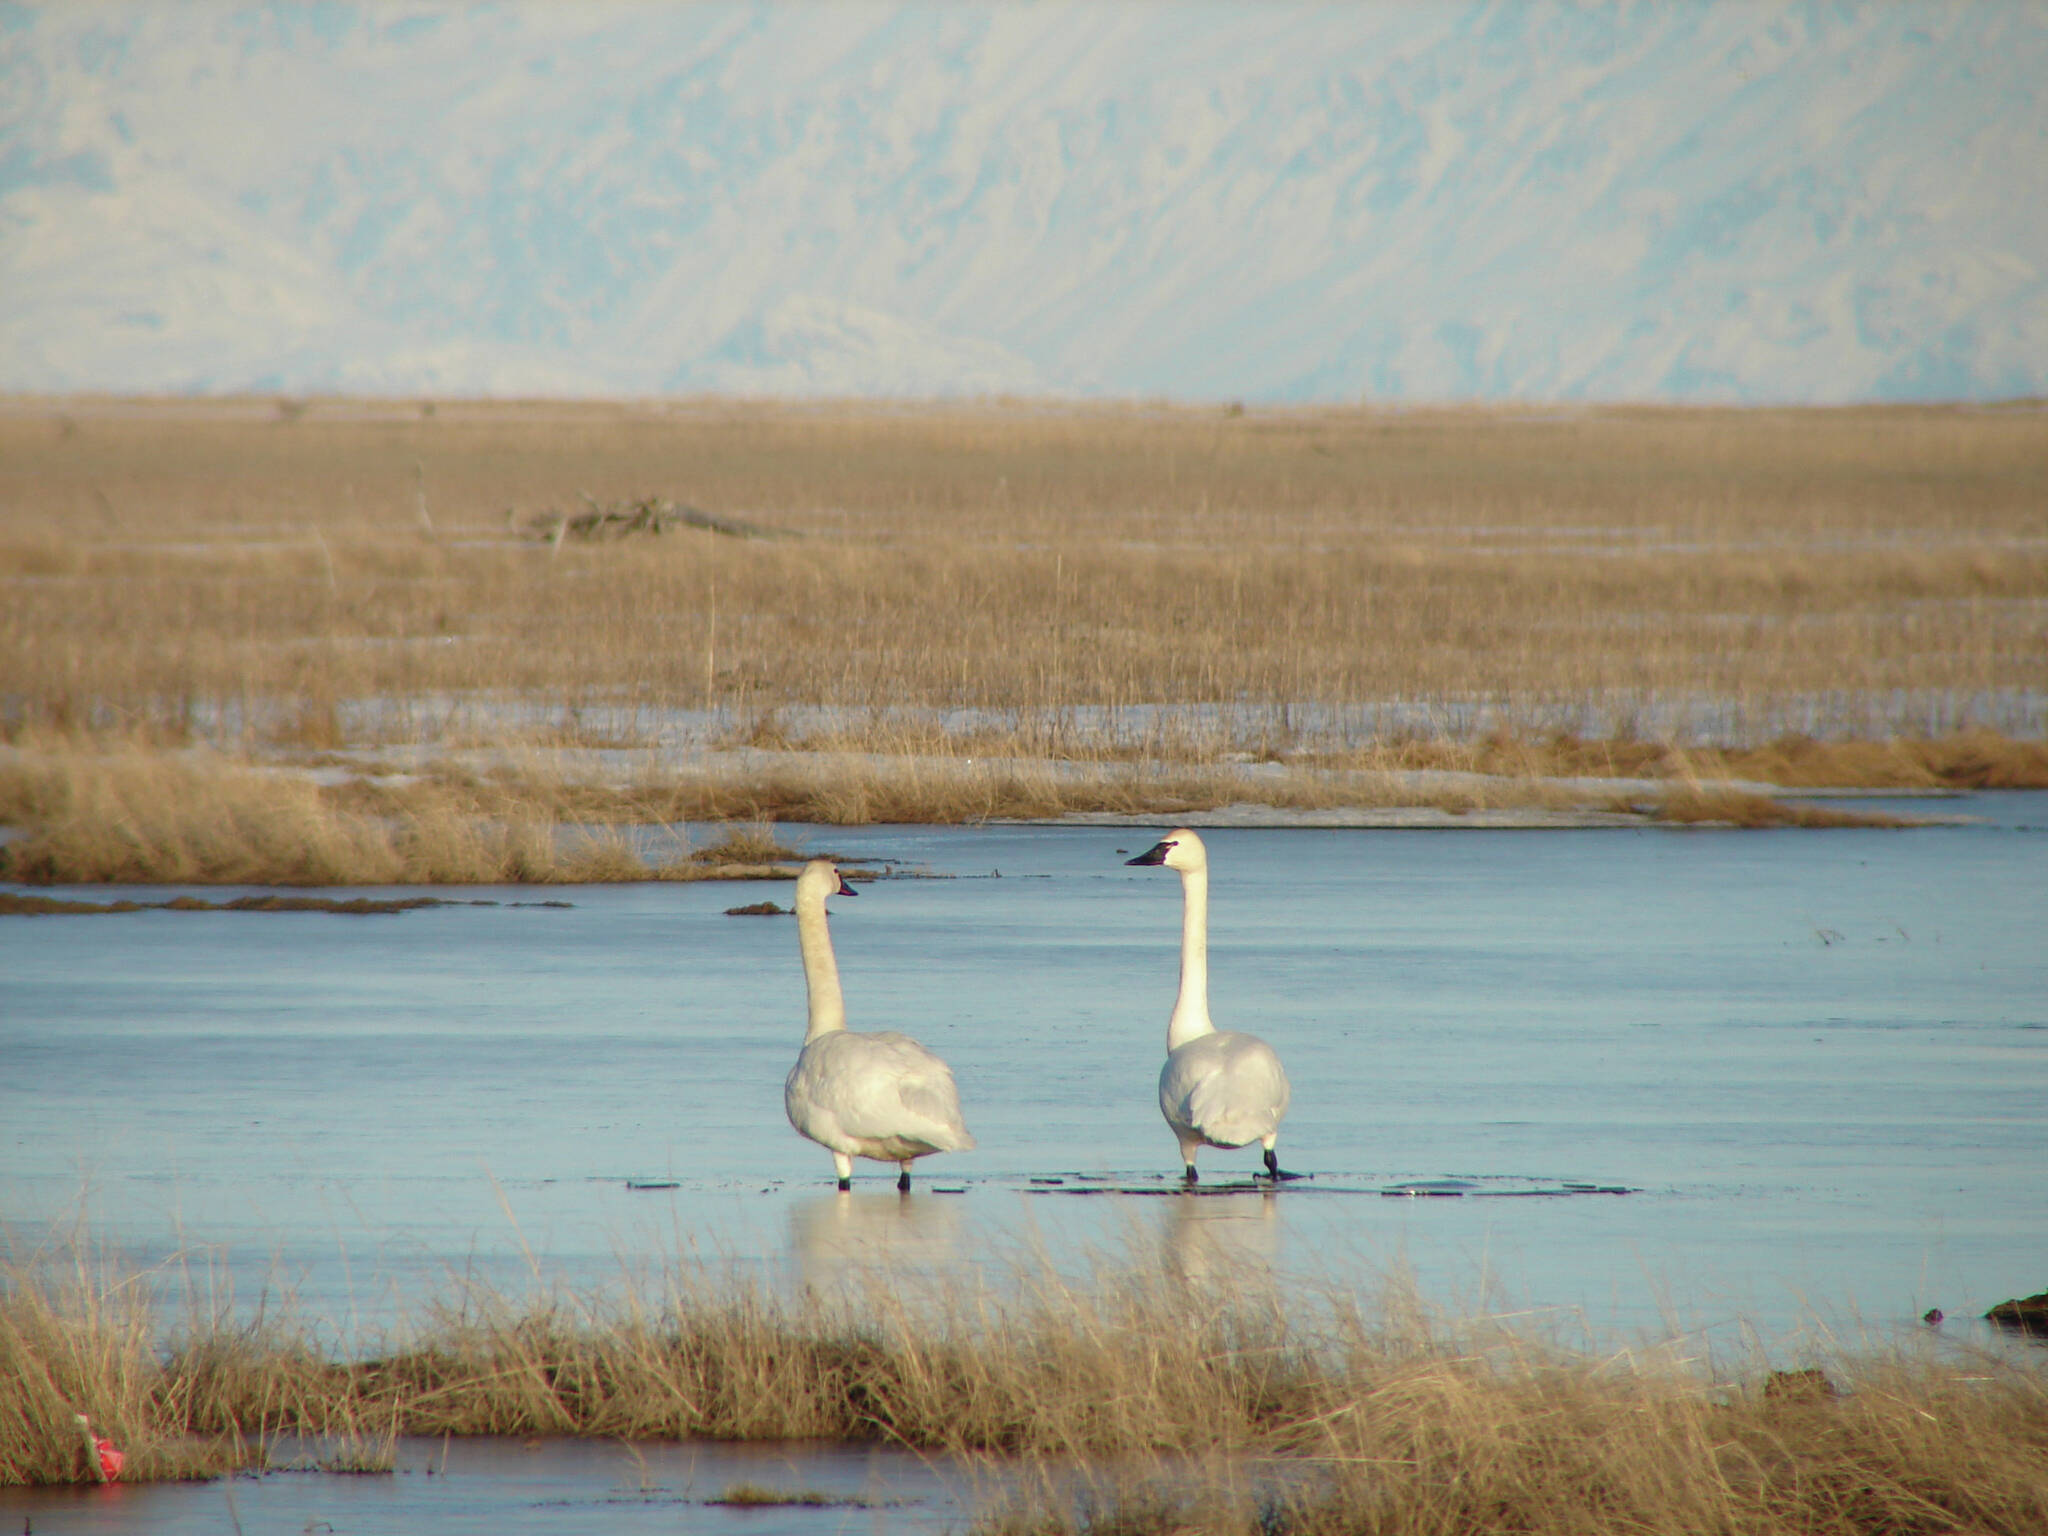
(845, 889)
(1156, 854)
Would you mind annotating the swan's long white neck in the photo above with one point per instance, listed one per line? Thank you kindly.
(821, 971)
(1191, 1009)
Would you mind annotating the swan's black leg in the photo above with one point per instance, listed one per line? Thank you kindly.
(1192, 1178)
(846, 1183)
(903, 1181)
(1275, 1172)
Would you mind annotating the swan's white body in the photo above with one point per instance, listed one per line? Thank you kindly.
(1219, 1088)
(880, 1096)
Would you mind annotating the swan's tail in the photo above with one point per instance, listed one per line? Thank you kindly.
(1237, 1133)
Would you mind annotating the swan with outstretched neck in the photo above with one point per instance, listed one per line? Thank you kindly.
(878, 1095)
(1219, 1088)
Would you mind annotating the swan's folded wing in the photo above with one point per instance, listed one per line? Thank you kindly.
(936, 1103)
(1241, 1091)
(902, 1090)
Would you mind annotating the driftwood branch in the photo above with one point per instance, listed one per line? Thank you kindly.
(647, 515)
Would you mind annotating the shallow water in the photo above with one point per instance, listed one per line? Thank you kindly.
(1818, 1061)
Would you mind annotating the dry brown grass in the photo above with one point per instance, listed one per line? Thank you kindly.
(78, 1338)
(1551, 1449)
(1685, 806)
(212, 569)
(146, 817)
(756, 1496)
(748, 844)
(1966, 760)
(132, 814)
(1294, 1412)
(15, 905)
(1973, 759)
(969, 594)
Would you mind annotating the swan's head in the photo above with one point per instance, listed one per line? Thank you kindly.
(820, 878)
(1179, 849)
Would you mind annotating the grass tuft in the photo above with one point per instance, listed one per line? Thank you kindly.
(756, 1496)
(752, 844)
(1733, 808)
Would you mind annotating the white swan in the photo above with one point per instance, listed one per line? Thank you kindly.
(881, 1096)
(1219, 1088)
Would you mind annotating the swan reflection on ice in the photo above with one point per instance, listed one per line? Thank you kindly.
(1220, 1237)
(838, 1237)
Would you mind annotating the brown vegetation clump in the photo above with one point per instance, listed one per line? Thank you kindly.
(138, 817)
(1687, 806)
(1297, 1413)
(12, 904)
(1971, 759)
(747, 844)
(756, 1496)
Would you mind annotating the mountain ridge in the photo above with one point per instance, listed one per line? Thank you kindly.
(1791, 202)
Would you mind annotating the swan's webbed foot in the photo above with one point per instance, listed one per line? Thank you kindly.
(1274, 1171)
(1192, 1176)
(846, 1183)
(903, 1181)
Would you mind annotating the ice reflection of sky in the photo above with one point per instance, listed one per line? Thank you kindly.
(525, 1487)
(1819, 1058)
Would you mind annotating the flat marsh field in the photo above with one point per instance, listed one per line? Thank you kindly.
(472, 626)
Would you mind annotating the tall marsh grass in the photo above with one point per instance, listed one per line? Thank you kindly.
(145, 817)
(126, 814)
(1251, 1408)
(138, 816)
(208, 568)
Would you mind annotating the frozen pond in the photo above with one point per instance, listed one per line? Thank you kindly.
(1819, 1061)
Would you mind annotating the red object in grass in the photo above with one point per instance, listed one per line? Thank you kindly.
(111, 1460)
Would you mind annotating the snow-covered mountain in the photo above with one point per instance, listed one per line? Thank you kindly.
(1729, 201)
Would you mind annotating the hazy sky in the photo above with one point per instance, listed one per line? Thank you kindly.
(1768, 201)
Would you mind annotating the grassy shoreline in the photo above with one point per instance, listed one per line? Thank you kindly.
(121, 813)
(1374, 1418)
(138, 816)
